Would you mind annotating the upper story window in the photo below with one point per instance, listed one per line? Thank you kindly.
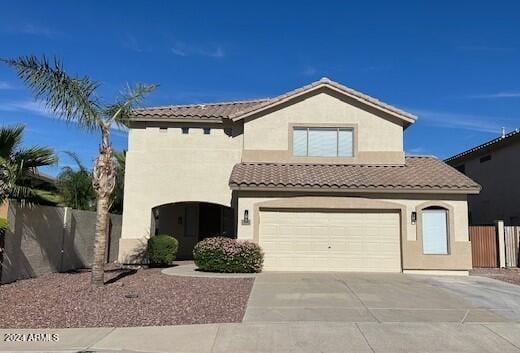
(323, 142)
(485, 158)
(207, 131)
(185, 130)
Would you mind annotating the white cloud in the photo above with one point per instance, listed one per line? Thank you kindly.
(508, 94)
(416, 150)
(38, 108)
(218, 52)
(5, 85)
(130, 42)
(27, 106)
(489, 124)
(183, 49)
(178, 51)
(31, 29)
(309, 71)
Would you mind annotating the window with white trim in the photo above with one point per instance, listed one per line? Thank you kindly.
(435, 231)
(323, 142)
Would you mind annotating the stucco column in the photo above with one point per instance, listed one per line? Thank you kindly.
(501, 244)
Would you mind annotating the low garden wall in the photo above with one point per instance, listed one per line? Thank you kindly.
(43, 239)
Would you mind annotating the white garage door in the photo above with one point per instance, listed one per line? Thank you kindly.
(330, 241)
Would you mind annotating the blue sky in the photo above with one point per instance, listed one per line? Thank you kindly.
(456, 64)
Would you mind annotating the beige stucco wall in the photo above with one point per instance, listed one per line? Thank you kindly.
(165, 166)
(378, 139)
(459, 257)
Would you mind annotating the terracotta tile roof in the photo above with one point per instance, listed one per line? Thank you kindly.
(209, 111)
(236, 110)
(420, 174)
(486, 147)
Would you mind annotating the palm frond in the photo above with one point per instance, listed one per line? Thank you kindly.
(35, 156)
(10, 139)
(120, 111)
(76, 159)
(24, 193)
(71, 98)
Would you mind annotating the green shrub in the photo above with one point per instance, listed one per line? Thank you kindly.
(162, 250)
(221, 254)
(3, 225)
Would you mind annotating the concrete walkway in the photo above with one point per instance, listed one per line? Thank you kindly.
(190, 270)
(283, 337)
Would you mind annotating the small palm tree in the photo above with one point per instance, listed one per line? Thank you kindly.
(73, 98)
(18, 166)
(75, 185)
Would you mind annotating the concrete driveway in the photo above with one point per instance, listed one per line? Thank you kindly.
(357, 297)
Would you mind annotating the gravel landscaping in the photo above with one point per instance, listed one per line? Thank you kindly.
(509, 275)
(143, 297)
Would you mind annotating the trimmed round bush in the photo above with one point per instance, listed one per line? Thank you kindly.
(162, 250)
(221, 254)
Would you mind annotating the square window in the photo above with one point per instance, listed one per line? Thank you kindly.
(207, 131)
(185, 130)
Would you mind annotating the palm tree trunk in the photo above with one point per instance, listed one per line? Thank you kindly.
(103, 182)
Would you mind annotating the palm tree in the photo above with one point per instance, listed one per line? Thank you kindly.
(18, 166)
(75, 185)
(74, 99)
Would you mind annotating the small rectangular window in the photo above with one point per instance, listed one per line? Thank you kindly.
(435, 231)
(300, 142)
(207, 131)
(485, 158)
(185, 130)
(323, 142)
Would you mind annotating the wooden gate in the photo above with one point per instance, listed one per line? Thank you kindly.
(483, 246)
(512, 238)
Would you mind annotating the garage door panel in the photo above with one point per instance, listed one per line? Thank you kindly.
(324, 241)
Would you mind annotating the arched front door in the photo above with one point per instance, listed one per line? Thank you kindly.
(190, 222)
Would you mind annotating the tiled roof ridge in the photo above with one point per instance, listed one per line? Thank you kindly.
(192, 105)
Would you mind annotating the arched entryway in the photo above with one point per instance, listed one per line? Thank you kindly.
(190, 222)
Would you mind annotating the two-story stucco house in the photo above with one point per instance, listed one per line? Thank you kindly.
(317, 176)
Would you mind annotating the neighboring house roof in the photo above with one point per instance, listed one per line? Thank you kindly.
(241, 109)
(486, 147)
(419, 174)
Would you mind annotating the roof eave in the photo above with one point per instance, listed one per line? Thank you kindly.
(463, 191)
(409, 119)
(177, 120)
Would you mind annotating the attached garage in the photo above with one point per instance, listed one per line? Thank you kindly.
(362, 241)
